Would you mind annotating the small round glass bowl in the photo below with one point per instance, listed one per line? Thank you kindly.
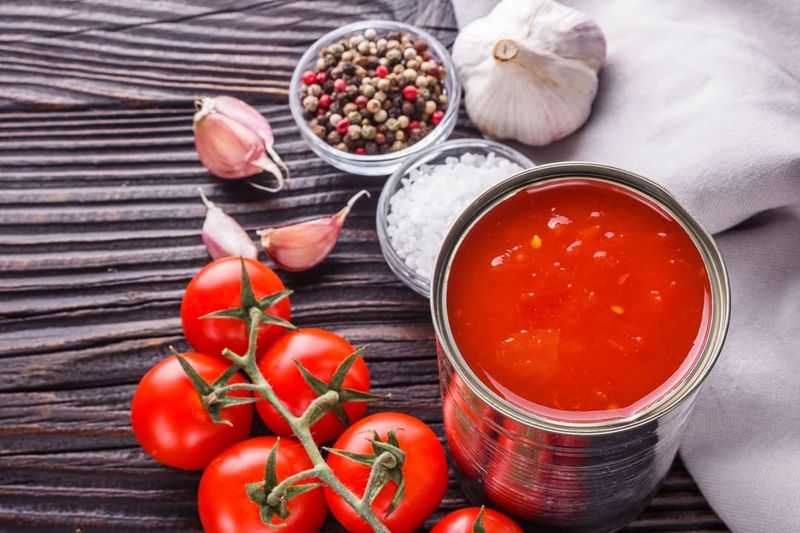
(433, 156)
(375, 165)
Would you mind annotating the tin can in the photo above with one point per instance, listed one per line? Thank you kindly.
(556, 474)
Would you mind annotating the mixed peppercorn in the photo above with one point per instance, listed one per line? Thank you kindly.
(372, 94)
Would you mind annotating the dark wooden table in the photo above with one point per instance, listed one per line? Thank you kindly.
(99, 234)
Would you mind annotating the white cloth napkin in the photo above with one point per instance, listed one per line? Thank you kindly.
(704, 98)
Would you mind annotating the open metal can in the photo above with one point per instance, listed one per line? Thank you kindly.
(557, 474)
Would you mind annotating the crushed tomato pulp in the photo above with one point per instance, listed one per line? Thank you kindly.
(578, 299)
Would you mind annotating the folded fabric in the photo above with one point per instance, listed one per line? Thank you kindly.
(704, 98)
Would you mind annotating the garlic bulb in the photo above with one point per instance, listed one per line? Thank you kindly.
(529, 70)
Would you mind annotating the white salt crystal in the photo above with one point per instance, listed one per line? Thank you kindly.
(431, 198)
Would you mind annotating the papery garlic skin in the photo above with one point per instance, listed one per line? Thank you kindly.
(223, 236)
(235, 141)
(302, 246)
(529, 70)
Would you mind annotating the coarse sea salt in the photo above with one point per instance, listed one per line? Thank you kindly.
(430, 199)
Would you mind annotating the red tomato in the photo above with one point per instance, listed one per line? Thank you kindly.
(463, 521)
(170, 422)
(216, 287)
(222, 497)
(424, 472)
(320, 352)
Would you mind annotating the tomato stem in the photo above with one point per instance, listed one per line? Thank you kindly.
(301, 426)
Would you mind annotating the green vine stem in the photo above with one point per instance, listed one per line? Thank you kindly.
(301, 427)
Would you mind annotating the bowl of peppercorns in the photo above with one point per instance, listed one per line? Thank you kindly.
(372, 93)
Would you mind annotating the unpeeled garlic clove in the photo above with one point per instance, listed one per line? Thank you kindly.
(223, 236)
(235, 141)
(302, 246)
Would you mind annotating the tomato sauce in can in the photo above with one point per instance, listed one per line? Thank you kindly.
(577, 308)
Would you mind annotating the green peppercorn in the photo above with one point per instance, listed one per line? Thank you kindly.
(368, 90)
(403, 121)
(368, 132)
(354, 132)
(397, 146)
(392, 44)
(311, 103)
(354, 117)
(373, 106)
(381, 115)
(391, 124)
(349, 107)
(314, 90)
(413, 64)
(393, 54)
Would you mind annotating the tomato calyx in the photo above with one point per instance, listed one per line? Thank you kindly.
(273, 496)
(477, 526)
(249, 302)
(386, 461)
(320, 388)
(213, 395)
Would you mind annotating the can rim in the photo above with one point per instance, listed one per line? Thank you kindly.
(712, 259)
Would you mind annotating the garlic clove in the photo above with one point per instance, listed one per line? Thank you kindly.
(529, 70)
(223, 236)
(302, 246)
(235, 141)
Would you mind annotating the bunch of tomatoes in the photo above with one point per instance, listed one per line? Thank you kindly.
(173, 424)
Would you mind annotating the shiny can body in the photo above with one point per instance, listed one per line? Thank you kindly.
(555, 474)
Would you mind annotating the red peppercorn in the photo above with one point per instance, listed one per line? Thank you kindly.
(324, 101)
(380, 138)
(410, 93)
(339, 85)
(437, 117)
(412, 125)
(381, 71)
(361, 151)
(361, 101)
(309, 77)
(342, 126)
(427, 55)
(321, 77)
(320, 112)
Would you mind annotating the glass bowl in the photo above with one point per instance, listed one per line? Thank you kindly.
(434, 155)
(374, 165)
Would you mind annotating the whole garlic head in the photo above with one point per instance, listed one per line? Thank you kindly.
(529, 70)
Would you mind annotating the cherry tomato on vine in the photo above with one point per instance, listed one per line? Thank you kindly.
(217, 287)
(424, 472)
(465, 520)
(223, 500)
(320, 352)
(170, 422)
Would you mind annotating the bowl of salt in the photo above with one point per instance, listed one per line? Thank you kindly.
(423, 198)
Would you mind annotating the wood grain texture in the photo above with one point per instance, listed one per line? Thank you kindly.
(99, 234)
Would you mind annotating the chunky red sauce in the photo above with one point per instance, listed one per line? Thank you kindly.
(578, 299)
